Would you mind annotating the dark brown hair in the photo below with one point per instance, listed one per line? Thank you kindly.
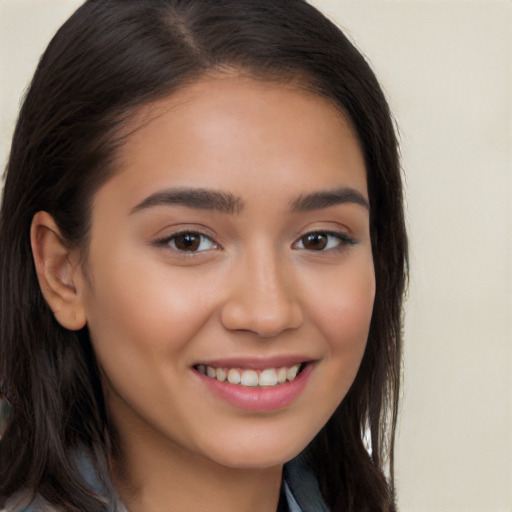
(110, 58)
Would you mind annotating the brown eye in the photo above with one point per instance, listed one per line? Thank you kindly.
(314, 241)
(190, 242)
(187, 242)
(323, 241)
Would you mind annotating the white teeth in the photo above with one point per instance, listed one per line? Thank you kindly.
(234, 376)
(220, 374)
(268, 378)
(251, 378)
(292, 372)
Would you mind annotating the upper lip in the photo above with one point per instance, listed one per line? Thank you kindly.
(256, 363)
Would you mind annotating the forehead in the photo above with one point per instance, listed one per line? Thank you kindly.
(216, 131)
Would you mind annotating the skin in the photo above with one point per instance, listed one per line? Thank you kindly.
(256, 289)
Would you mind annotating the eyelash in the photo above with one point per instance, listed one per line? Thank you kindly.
(168, 240)
(342, 241)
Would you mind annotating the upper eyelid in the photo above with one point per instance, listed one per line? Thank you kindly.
(330, 232)
(345, 238)
(184, 231)
(164, 240)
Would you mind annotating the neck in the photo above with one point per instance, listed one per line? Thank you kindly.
(157, 475)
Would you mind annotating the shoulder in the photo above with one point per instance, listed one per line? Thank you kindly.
(95, 477)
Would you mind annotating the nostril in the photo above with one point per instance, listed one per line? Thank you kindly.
(264, 319)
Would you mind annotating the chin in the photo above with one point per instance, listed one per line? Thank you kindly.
(258, 453)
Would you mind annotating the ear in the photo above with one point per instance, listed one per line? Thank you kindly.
(59, 272)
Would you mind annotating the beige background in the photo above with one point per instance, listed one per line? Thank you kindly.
(446, 66)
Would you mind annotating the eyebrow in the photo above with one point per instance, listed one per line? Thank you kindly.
(196, 198)
(326, 198)
(225, 202)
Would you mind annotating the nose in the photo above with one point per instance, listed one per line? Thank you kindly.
(262, 297)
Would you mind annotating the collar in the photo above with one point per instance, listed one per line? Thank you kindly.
(301, 487)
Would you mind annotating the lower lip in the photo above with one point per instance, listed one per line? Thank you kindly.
(256, 398)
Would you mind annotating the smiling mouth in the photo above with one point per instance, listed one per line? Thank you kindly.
(250, 378)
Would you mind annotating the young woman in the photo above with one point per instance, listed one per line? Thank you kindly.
(202, 268)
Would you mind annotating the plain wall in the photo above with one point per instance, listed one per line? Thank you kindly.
(446, 67)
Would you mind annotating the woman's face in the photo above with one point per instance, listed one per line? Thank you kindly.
(233, 245)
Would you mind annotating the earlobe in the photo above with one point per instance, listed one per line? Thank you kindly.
(58, 271)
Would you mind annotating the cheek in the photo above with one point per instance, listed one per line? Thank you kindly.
(142, 318)
(343, 314)
(340, 309)
(138, 309)
(345, 308)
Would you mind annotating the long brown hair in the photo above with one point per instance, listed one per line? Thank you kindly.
(107, 60)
